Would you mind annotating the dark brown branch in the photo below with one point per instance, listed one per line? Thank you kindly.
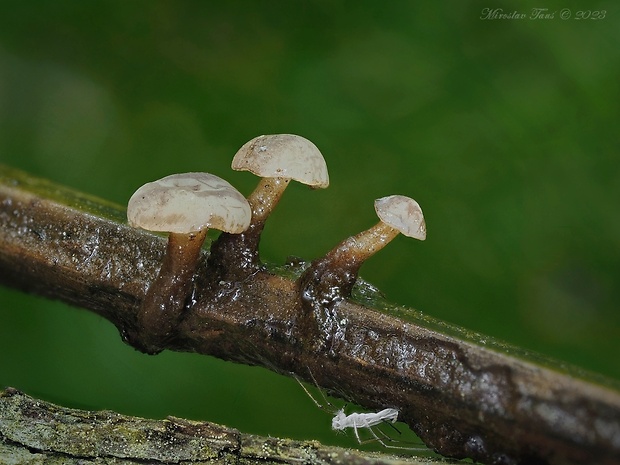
(464, 395)
(33, 431)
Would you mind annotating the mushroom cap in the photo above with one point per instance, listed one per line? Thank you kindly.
(189, 202)
(403, 214)
(283, 156)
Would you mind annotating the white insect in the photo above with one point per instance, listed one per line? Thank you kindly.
(341, 420)
(363, 420)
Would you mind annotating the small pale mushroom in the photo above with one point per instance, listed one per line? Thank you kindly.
(185, 206)
(277, 159)
(331, 278)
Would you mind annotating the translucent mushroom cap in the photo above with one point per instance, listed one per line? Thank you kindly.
(189, 202)
(283, 156)
(403, 214)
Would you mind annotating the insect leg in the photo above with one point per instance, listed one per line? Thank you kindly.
(389, 439)
(384, 437)
(316, 402)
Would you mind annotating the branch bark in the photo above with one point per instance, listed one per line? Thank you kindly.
(463, 394)
(33, 432)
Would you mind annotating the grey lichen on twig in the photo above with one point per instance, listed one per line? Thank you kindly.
(34, 431)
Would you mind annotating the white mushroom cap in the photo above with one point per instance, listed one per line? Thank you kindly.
(189, 202)
(283, 156)
(403, 214)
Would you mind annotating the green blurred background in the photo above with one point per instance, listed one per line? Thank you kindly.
(505, 131)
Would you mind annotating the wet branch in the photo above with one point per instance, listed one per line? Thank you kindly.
(464, 395)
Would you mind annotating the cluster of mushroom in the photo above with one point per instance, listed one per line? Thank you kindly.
(187, 205)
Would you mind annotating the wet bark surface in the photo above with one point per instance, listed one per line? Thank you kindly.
(463, 394)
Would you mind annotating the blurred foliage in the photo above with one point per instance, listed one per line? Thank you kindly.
(505, 131)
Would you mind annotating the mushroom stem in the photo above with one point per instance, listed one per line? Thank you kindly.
(165, 299)
(331, 278)
(265, 197)
(238, 253)
(357, 249)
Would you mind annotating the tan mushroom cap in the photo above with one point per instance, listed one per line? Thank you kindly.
(189, 202)
(403, 214)
(283, 156)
